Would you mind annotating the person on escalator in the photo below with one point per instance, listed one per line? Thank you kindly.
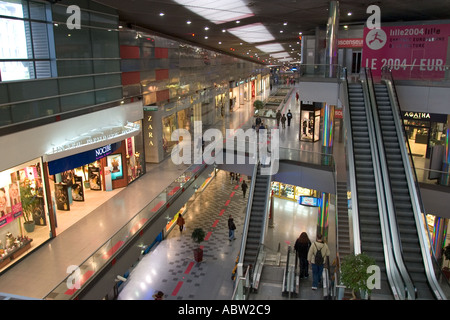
(317, 254)
(302, 245)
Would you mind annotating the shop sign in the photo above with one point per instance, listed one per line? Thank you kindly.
(106, 134)
(150, 130)
(416, 115)
(103, 151)
(350, 43)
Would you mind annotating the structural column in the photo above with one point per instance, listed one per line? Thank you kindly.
(328, 129)
(331, 54)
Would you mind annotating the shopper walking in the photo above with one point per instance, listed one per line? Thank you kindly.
(317, 254)
(283, 121)
(289, 117)
(180, 222)
(278, 118)
(244, 188)
(302, 245)
(231, 228)
(231, 177)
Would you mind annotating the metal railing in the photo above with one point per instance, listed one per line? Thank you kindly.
(68, 289)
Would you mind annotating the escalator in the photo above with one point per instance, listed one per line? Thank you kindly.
(256, 222)
(370, 226)
(401, 196)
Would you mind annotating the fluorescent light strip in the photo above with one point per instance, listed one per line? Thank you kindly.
(218, 11)
(274, 47)
(252, 33)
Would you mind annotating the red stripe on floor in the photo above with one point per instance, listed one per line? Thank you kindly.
(111, 251)
(159, 205)
(177, 288)
(172, 192)
(232, 194)
(202, 247)
(237, 186)
(215, 223)
(208, 235)
(221, 212)
(188, 269)
(83, 279)
(227, 203)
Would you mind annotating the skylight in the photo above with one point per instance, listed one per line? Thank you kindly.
(279, 55)
(274, 47)
(252, 33)
(218, 11)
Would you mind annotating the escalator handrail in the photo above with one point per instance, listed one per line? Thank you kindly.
(351, 169)
(391, 223)
(414, 192)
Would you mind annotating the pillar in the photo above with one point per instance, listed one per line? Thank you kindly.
(322, 219)
(445, 176)
(328, 129)
(331, 54)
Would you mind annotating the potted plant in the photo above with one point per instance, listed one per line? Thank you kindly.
(258, 104)
(446, 270)
(354, 273)
(198, 235)
(29, 201)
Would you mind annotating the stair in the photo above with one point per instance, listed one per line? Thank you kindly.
(343, 235)
(256, 222)
(408, 235)
(369, 220)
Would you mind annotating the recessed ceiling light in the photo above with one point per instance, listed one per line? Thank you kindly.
(161, 14)
(206, 37)
(349, 14)
(300, 33)
(345, 27)
(188, 22)
(220, 42)
(223, 30)
(281, 31)
(238, 21)
(285, 24)
(206, 28)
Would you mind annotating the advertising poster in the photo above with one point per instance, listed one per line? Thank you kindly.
(414, 52)
(62, 197)
(15, 201)
(77, 189)
(5, 207)
(115, 163)
(108, 178)
(95, 179)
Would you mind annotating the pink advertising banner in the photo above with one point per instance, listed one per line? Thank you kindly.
(413, 52)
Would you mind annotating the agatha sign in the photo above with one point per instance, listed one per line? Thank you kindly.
(417, 51)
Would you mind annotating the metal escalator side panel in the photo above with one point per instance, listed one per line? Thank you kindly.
(393, 275)
(413, 192)
(399, 271)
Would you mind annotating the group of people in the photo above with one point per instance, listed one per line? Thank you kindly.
(311, 253)
(283, 118)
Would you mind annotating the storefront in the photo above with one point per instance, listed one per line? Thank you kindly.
(291, 192)
(24, 221)
(424, 130)
(310, 121)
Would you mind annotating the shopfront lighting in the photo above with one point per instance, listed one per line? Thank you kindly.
(218, 11)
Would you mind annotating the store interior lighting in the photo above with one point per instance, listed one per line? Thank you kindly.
(218, 11)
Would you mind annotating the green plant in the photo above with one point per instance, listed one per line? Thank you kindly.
(198, 235)
(354, 272)
(258, 104)
(29, 201)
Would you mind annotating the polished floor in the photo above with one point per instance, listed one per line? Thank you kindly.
(43, 270)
